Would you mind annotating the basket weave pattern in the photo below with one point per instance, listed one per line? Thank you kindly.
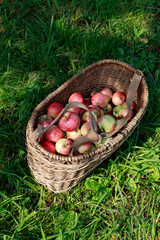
(60, 173)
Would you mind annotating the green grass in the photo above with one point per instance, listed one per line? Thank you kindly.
(43, 44)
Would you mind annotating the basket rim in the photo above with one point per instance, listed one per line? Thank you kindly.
(112, 142)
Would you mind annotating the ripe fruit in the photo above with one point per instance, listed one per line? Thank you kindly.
(86, 103)
(117, 111)
(133, 105)
(121, 111)
(131, 115)
(106, 123)
(118, 98)
(125, 111)
(95, 109)
(45, 120)
(53, 134)
(108, 108)
(85, 128)
(100, 99)
(54, 109)
(107, 91)
(102, 112)
(48, 146)
(76, 97)
(75, 109)
(74, 134)
(86, 118)
(69, 121)
(84, 147)
(63, 146)
(75, 122)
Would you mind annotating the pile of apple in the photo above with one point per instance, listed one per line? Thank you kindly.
(107, 107)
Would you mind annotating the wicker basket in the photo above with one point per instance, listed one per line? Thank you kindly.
(61, 173)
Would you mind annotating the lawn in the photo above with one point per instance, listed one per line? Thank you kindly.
(42, 44)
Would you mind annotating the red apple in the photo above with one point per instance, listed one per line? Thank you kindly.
(102, 112)
(69, 121)
(75, 109)
(48, 146)
(106, 123)
(107, 91)
(45, 120)
(131, 115)
(100, 99)
(133, 105)
(76, 97)
(108, 109)
(86, 118)
(124, 105)
(53, 134)
(74, 134)
(63, 146)
(54, 109)
(118, 98)
(95, 109)
(85, 128)
(87, 102)
(117, 111)
(82, 111)
(121, 111)
(84, 147)
(125, 111)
